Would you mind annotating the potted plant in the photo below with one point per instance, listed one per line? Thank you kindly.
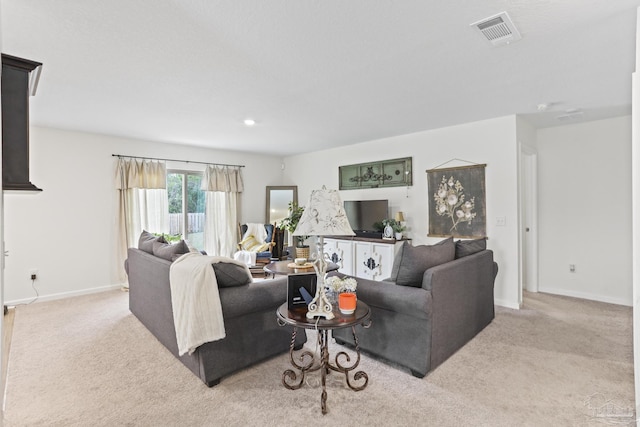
(396, 226)
(290, 223)
(336, 285)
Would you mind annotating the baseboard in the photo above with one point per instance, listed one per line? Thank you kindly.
(507, 304)
(62, 295)
(585, 295)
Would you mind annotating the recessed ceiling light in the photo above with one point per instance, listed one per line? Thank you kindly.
(249, 122)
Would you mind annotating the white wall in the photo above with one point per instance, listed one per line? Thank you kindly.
(2, 293)
(491, 141)
(635, 180)
(635, 131)
(526, 134)
(584, 182)
(66, 232)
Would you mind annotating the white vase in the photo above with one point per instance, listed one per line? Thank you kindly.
(398, 236)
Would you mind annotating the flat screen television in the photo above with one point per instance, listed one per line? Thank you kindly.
(363, 214)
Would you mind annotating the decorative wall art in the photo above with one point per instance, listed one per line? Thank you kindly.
(457, 202)
(385, 173)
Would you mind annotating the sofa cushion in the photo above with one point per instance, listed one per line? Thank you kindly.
(191, 247)
(411, 262)
(267, 227)
(145, 242)
(169, 251)
(470, 247)
(251, 244)
(229, 274)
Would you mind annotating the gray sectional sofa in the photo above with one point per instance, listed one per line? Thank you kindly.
(438, 298)
(252, 333)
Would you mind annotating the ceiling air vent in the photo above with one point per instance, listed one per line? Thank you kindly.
(498, 29)
(571, 115)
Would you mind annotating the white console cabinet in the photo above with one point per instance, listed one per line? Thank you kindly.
(341, 253)
(367, 258)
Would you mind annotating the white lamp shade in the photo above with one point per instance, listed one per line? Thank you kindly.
(324, 216)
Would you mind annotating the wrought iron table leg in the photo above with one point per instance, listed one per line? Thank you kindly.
(359, 375)
(307, 364)
(324, 367)
(304, 366)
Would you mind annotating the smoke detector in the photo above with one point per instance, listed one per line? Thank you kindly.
(498, 29)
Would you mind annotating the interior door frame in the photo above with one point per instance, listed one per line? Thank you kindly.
(528, 218)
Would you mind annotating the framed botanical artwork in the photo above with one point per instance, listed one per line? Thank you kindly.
(457, 202)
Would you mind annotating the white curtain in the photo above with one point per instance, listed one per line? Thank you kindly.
(222, 185)
(226, 178)
(142, 204)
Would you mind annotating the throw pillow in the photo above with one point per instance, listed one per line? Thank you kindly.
(192, 248)
(251, 244)
(167, 251)
(229, 274)
(145, 242)
(411, 262)
(470, 247)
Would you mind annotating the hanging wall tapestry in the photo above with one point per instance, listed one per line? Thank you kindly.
(457, 202)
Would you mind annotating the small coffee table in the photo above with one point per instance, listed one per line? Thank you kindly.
(306, 361)
(282, 267)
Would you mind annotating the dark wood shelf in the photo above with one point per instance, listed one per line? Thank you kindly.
(367, 239)
(19, 79)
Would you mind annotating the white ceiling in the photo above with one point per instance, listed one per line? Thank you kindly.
(315, 74)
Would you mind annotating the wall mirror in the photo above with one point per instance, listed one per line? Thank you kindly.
(278, 199)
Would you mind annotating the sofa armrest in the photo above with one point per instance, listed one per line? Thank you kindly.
(462, 292)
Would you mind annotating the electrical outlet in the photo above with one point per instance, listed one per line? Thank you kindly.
(572, 268)
(501, 221)
(33, 274)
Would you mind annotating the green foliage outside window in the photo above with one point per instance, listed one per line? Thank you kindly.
(171, 238)
(195, 196)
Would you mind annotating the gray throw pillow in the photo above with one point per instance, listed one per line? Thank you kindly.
(229, 274)
(168, 251)
(470, 247)
(145, 242)
(411, 262)
(397, 260)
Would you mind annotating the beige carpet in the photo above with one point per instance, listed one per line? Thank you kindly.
(88, 361)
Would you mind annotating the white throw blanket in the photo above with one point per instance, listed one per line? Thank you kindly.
(257, 230)
(197, 312)
(246, 257)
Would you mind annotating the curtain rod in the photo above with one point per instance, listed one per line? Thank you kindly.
(174, 160)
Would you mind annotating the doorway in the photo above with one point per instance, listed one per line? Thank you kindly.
(528, 220)
(186, 207)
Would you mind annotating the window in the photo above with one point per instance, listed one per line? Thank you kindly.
(186, 207)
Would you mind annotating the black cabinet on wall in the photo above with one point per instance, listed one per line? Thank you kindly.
(19, 81)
